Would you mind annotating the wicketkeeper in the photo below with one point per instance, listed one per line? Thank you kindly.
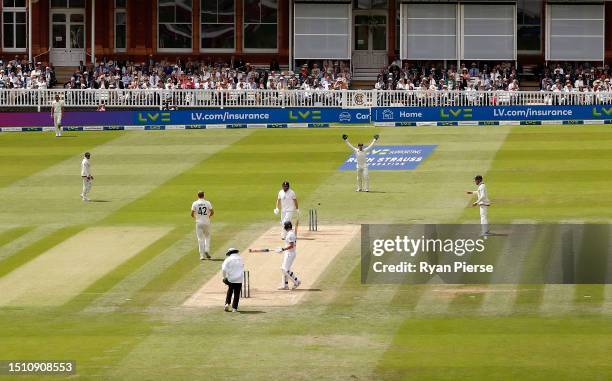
(361, 156)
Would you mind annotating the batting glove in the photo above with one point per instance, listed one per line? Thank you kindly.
(275, 210)
(279, 249)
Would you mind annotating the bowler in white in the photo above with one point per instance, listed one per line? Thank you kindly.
(57, 111)
(287, 205)
(202, 211)
(86, 176)
(482, 201)
(361, 157)
(288, 258)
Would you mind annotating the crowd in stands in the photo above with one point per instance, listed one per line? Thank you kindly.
(434, 77)
(21, 74)
(575, 77)
(205, 74)
(236, 74)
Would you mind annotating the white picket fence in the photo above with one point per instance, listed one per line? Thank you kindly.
(182, 99)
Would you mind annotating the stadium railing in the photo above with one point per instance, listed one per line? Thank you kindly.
(181, 99)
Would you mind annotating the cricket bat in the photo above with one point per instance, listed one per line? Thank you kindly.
(259, 250)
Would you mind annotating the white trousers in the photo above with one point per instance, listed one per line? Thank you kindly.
(288, 258)
(287, 216)
(363, 180)
(86, 186)
(57, 122)
(484, 218)
(203, 234)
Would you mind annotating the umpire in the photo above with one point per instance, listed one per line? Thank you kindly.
(233, 272)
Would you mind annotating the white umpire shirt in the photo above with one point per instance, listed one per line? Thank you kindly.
(233, 268)
(287, 200)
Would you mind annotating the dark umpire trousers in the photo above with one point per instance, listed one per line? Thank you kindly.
(234, 288)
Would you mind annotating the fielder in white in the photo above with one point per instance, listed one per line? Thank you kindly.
(86, 176)
(482, 200)
(287, 205)
(202, 211)
(288, 258)
(361, 156)
(57, 111)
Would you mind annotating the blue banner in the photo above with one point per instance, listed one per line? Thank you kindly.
(244, 116)
(490, 113)
(384, 158)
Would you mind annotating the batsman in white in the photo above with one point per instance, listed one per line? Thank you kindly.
(287, 205)
(288, 258)
(86, 176)
(482, 200)
(202, 211)
(57, 111)
(361, 156)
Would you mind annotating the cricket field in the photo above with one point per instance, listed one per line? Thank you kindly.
(106, 283)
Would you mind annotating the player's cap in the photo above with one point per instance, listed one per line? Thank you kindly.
(288, 225)
(285, 183)
(478, 177)
(87, 154)
(231, 251)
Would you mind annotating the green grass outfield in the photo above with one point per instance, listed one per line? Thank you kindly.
(129, 323)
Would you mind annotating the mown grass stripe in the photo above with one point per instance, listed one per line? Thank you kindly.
(37, 152)
(15, 246)
(174, 274)
(14, 233)
(37, 248)
(109, 280)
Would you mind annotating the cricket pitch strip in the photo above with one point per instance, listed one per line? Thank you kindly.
(65, 270)
(315, 251)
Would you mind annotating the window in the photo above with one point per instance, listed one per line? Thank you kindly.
(529, 26)
(14, 25)
(369, 4)
(120, 25)
(261, 24)
(67, 3)
(575, 32)
(217, 24)
(174, 24)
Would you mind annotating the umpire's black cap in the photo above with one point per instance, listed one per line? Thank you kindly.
(231, 251)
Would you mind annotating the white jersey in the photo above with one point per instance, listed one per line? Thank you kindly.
(361, 156)
(57, 106)
(85, 171)
(483, 196)
(291, 238)
(233, 268)
(202, 209)
(287, 200)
